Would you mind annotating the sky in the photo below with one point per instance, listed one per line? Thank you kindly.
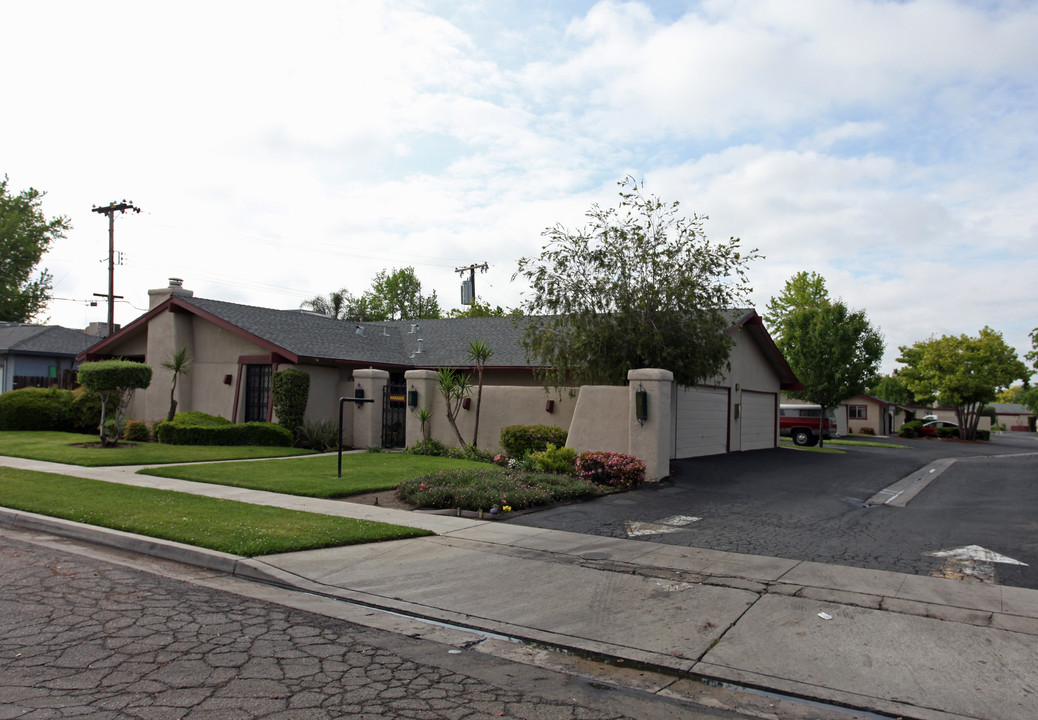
(279, 151)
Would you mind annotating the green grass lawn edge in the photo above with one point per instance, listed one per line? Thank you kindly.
(228, 526)
(316, 476)
(60, 447)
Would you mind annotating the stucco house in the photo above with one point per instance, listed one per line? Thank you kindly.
(865, 411)
(1014, 417)
(236, 348)
(39, 355)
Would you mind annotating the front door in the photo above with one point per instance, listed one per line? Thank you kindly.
(257, 392)
(394, 415)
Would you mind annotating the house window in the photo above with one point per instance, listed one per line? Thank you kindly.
(858, 412)
(257, 392)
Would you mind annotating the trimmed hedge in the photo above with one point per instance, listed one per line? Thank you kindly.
(208, 430)
(290, 389)
(517, 440)
(37, 409)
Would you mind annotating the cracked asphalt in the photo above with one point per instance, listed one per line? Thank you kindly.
(811, 506)
(83, 637)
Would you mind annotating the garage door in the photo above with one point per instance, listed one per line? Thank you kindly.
(700, 421)
(758, 420)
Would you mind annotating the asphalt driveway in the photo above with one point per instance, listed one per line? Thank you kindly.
(811, 506)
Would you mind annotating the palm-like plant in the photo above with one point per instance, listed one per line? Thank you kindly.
(179, 363)
(479, 353)
(454, 387)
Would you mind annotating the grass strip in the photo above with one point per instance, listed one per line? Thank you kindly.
(233, 527)
(866, 443)
(69, 448)
(316, 476)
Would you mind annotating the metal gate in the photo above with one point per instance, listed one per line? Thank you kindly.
(394, 415)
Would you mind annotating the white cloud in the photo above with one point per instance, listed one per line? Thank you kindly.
(280, 153)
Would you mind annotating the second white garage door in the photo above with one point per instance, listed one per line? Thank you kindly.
(758, 420)
(700, 421)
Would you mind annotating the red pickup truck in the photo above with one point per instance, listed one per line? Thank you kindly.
(805, 425)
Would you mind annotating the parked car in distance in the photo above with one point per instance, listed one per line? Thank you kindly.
(804, 423)
(930, 429)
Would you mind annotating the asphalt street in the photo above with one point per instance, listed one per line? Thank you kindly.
(811, 506)
(80, 636)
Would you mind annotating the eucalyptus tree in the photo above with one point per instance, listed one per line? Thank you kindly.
(639, 285)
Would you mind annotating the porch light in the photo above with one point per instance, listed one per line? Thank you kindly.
(549, 406)
(412, 397)
(641, 405)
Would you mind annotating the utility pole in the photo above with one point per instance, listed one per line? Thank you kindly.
(472, 281)
(112, 208)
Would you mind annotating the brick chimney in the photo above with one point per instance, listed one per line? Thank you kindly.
(160, 295)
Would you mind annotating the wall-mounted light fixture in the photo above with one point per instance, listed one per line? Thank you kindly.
(227, 379)
(549, 406)
(737, 411)
(412, 398)
(641, 405)
(358, 392)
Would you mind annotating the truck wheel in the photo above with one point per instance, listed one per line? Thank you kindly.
(803, 437)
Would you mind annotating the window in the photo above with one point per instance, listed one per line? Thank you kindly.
(257, 390)
(858, 412)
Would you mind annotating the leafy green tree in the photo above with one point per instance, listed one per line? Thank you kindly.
(25, 234)
(833, 351)
(1032, 354)
(179, 363)
(890, 388)
(341, 305)
(962, 372)
(114, 381)
(477, 310)
(639, 286)
(805, 289)
(479, 353)
(397, 295)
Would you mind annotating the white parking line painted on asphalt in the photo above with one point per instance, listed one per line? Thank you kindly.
(672, 524)
(971, 561)
(976, 553)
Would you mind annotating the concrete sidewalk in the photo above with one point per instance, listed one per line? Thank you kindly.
(906, 645)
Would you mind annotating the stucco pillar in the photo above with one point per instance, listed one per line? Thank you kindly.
(367, 416)
(650, 439)
(425, 383)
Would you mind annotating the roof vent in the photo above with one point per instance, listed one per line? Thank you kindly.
(385, 331)
(360, 330)
(414, 329)
(419, 345)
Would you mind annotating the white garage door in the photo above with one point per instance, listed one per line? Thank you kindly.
(700, 421)
(758, 420)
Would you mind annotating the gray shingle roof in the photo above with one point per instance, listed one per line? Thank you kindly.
(18, 338)
(443, 342)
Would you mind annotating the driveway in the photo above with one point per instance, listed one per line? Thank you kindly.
(811, 506)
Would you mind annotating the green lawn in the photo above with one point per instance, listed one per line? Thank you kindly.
(316, 476)
(232, 527)
(67, 448)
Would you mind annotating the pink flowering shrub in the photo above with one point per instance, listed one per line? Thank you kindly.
(610, 469)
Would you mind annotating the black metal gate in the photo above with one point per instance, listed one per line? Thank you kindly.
(394, 415)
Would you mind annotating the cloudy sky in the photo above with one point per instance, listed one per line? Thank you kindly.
(279, 151)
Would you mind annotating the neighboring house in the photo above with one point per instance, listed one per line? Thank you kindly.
(866, 411)
(236, 348)
(1014, 417)
(39, 355)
